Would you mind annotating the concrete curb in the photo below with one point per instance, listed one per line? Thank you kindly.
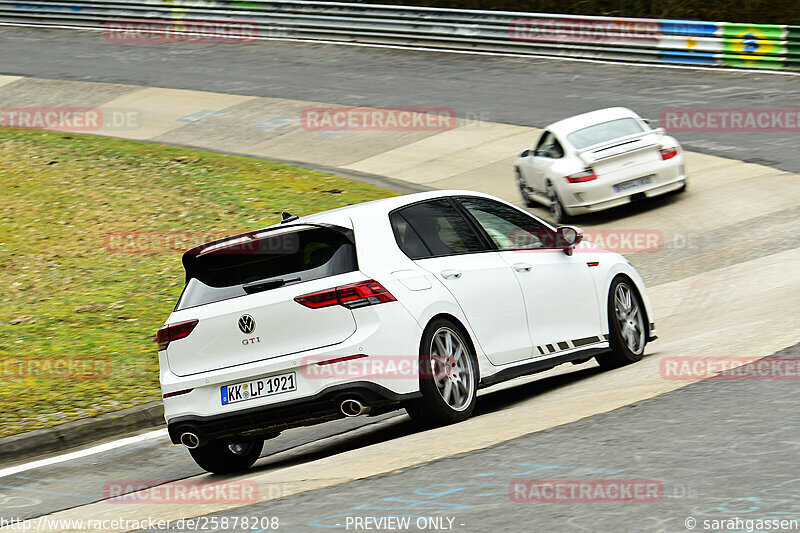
(79, 432)
(393, 184)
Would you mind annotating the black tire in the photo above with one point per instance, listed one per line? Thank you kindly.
(523, 189)
(226, 456)
(556, 207)
(623, 352)
(436, 369)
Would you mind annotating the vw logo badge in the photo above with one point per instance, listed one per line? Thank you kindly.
(247, 324)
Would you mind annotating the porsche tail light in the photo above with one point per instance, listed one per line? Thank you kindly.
(668, 153)
(580, 177)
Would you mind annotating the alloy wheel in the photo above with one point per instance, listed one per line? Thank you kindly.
(452, 369)
(629, 318)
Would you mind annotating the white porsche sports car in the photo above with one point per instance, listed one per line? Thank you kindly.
(599, 160)
(409, 302)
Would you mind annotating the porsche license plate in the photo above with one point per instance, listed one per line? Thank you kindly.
(633, 184)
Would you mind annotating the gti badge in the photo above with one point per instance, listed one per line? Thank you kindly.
(247, 324)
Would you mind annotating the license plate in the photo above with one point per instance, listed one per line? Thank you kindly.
(632, 184)
(258, 388)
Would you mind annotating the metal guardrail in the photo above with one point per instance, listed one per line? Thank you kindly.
(630, 39)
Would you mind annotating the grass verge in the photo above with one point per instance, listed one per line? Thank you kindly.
(91, 234)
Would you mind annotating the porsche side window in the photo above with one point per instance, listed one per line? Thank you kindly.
(549, 147)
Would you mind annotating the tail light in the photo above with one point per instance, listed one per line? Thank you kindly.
(668, 153)
(174, 332)
(351, 296)
(580, 177)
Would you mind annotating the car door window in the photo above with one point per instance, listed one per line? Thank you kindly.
(408, 239)
(549, 147)
(509, 228)
(439, 226)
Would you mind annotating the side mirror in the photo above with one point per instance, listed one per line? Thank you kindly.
(652, 122)
(568, 237)
(526, 153)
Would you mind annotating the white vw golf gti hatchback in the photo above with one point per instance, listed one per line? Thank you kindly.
(410, 302)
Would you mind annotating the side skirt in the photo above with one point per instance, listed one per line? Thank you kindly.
(540, 365)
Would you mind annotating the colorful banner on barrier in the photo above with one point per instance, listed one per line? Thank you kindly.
(754, 45)
(689, 42)
(768, 46)
(686, 28)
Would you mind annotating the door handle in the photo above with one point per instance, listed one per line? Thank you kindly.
(522, 267)
(451, 274)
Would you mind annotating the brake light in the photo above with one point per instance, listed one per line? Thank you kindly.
(351, 296)
(668, 153)
(580, 177)
(174, 332)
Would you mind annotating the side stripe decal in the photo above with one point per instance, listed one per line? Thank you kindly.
(546, 349)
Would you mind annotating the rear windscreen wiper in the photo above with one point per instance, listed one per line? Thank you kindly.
(258, 286)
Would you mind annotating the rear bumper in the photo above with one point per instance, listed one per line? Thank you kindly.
(387, 337)
(656, 190)
(274, 418)
(597, 195)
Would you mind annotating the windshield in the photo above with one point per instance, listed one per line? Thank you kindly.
(607, 131)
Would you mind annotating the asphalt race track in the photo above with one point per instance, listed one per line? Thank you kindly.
(523, 91)
(718, 449)
(720, 463)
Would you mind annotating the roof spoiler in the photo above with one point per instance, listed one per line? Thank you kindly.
(583, 153)
(190, 256)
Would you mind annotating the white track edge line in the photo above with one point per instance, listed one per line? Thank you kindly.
(10, 471)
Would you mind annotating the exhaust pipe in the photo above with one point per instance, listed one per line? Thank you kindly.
(352, 407)
(190, 440)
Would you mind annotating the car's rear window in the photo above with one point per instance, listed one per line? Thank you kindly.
(248, 265)
(607, 131)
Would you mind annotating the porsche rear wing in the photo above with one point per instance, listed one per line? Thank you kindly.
(620, 146)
